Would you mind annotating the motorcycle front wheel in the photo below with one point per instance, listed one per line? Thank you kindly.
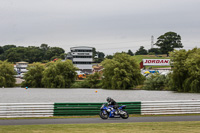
(103, 115)
(125, 115)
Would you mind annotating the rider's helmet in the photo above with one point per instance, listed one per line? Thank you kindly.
(108, 99)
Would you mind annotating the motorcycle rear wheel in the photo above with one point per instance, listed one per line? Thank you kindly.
(125, 115)
(103, 116)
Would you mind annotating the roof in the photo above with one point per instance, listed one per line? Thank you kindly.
(164, 68)
(98, 68)
(22, 62)
(82, 47)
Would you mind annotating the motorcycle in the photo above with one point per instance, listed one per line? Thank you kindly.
(109, 111)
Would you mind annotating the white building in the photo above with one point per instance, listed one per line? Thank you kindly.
(82, 57)
(21, 67)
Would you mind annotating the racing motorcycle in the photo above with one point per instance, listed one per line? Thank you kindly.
(109, 112)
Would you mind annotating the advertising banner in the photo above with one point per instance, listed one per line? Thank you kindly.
(156, 62)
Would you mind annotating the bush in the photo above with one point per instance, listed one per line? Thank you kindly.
(59, 74)
(92, 81)
(186, 70)
(33, 78)
(7, 74)
(156, 82)
(80, 84)
(121, 72)
(151, 53)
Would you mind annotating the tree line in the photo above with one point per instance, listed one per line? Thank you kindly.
(45, 53)
(30, 54)
(185, 75)
(59, 74)
(165, 44)
(120, 72)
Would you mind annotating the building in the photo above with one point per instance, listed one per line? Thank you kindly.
(20, 68)
(82, 57)
(97, 68)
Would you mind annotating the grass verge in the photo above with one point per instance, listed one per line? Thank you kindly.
(95, 116)
(147, 127)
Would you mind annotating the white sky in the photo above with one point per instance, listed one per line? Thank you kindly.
(108, 25)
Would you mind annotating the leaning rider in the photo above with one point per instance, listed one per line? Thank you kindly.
(113, 103)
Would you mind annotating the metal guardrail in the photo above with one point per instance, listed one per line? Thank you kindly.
(58, 109)
(8, 110)
(170, 107)
(67, 109)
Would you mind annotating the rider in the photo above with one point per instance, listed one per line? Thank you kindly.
(113, 103)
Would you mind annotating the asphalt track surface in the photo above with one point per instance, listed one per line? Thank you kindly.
(98, 120)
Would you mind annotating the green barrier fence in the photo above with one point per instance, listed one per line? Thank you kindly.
(69, 109)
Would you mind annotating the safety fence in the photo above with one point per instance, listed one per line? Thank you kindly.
(76, 109)
(26, 110)
(58, 109)
(66, 109)
(170, 107)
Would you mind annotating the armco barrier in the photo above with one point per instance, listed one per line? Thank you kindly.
(170, 107)
(68, 109)
(26, 109)
(58, 109)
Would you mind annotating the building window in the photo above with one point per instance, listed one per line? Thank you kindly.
(82, 56)
(78, 50)
(82, 62)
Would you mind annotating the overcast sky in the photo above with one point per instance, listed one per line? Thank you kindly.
(108, 25)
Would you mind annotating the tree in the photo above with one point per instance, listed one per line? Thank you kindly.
(141, 51)
(16, 54)
(7, 74)
(192, 82)
(93, 80)
(154, 50)
(53, 51)
(7, 47)
(33, 54)
(100, 57)
(33, 78)
(121, 72)
(155, 82)
(168, 42)
(130, 52)
(2, 57)
(44, 47)
(1, 50)
(30, 54)
(109, 56)
(63, 56)
(59, 74)
(186, 74)
(180, 73)
(94, 52)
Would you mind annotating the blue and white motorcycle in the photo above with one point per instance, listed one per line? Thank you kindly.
(109, 111)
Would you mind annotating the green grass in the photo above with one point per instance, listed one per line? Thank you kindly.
(139, 58)
(94, 116)
(145, 127)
